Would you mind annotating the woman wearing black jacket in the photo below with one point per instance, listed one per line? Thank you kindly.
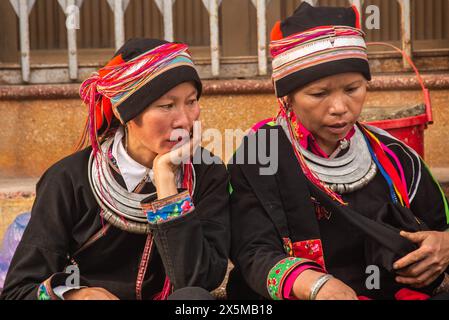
(129, 217)
(323, 219)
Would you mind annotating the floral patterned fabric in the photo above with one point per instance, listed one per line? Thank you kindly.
(164, 210)
(320, 211)
(45, 292)
(42, 293)
(279, 273)
(288, 246)
(309, 253)
(311, 250)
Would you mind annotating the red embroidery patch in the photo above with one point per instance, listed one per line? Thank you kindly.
(320, 212)
(186, 206)
(288, 246)
(310, 249)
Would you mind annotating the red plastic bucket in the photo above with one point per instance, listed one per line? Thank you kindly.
(410, 130)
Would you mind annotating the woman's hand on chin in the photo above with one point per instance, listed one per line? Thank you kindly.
(424, 265)
(166, 165)
(164, 178)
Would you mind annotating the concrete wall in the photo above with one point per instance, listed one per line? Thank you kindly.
(37, 129)
(36, 133)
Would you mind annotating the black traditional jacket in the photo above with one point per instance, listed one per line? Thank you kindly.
(191, 250)
(280, 221)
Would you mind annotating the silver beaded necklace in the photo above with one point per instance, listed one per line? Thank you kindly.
(119, 207)
(344, 174)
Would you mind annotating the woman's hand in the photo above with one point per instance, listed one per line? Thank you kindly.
(90, 294)
(166, 165)
(333, 289)
(424, 265)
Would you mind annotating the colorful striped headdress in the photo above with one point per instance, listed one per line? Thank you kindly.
(141, 72)
(316, 42)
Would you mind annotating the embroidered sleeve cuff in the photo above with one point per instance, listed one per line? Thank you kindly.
(279, 273)
(45, 291)
(287, 290)
(170, 208)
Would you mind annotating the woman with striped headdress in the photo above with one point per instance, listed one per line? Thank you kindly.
(329, 222)
(130, 217)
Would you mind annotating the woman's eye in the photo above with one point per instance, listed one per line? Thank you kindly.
(192, 102)
(318, 94)
(351, 90)
(167, 106)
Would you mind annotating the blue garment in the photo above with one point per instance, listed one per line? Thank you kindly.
(10, 242)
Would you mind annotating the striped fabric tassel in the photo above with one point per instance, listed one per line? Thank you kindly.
(387, 168)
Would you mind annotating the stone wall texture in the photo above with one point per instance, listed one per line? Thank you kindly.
(37, 133)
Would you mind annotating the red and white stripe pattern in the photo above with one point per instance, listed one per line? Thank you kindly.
(316, 46)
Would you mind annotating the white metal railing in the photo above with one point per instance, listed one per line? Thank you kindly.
(406, 27)
(24, 7)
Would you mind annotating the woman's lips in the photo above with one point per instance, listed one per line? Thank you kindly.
(338, 128)
(179, 141)
(179, 138)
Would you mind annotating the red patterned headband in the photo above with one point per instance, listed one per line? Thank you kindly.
(316, 46)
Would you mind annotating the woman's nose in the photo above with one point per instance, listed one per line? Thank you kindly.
(338, 106)
(183, 118)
